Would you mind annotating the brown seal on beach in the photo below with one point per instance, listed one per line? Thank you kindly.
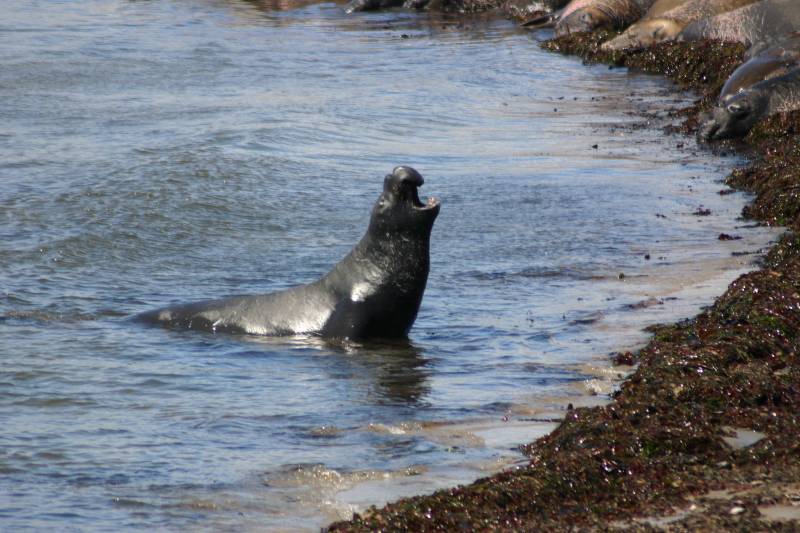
(532, 12)
(666, 25)
(589, 15)
(662, 6)
(764, 22)
(773, 61)
(737, 113)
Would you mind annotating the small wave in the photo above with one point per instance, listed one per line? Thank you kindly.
(319, 475)
(56, 402)
(84, 480)
(399, 429)
(453, 435)
(44, 316)
(585, 319)
(324, 432)
(128, 503)
(644, 304)
(538, 273)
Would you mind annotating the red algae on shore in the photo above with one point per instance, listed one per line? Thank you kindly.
(659, 456)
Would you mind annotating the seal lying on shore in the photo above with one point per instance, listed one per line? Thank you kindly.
(589, 15)
(771, 62)
(550, 20)
(539, 13)
(656, 27)
(662, 6)
(766, 21)
(375, 291)
(739, 112)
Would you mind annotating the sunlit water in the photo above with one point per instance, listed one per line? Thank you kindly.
(157, 152)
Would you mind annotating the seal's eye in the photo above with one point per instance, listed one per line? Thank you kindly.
(737, 108)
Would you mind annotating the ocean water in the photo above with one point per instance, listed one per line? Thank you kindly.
(176, 150)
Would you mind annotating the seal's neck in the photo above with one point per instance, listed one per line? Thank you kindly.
(402, 261)
(393, 243)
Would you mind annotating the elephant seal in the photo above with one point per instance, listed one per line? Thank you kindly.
(550, 19)
(589, 15)
(662, 6)
(533, 12)
(373, 5)
(771, 62)
(374, 292)
(788, 41)
(737, 113)
(666, 25)
(764, 22)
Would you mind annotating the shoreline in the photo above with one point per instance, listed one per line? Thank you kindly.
(703, 434)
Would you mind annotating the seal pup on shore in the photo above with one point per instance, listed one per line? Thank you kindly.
(656, 27)
(765, 22)
(374, 292)
(739, 112)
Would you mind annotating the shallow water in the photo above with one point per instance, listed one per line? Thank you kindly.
(154, 152)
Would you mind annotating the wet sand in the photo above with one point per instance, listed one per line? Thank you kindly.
(703, 434)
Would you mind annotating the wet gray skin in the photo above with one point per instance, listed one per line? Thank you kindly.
(772, 62)
(738, 113)
(374, 292)
(589, 15)
(374, 5)
(767, 22)
(663, 26)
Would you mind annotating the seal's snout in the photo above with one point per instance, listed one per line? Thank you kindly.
(407, 175)
(708, 127)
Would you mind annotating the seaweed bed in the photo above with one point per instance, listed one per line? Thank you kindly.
(660, 455)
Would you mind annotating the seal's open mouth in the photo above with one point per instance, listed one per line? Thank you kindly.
(404, 182)
(417, 203)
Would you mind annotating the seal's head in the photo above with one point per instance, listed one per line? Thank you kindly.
(585, 19)
(399, 209)
(643, 34)
(735, 115)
